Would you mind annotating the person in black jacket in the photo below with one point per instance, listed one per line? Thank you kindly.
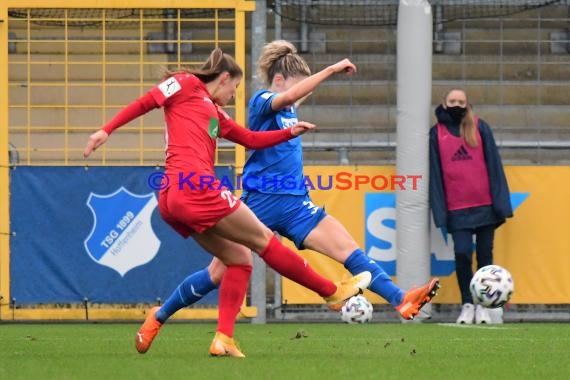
(469, 194)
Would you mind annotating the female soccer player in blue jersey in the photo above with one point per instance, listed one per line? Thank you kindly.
(290, 212)
(214, 217)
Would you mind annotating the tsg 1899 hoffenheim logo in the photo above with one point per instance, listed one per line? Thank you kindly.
(122, 237)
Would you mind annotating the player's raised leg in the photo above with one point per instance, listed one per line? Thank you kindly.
(332, 239)
(243, 227)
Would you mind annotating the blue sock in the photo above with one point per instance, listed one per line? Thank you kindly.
(190, 291)
(381, 283)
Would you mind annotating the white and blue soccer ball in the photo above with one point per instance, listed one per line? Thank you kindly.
(357, 310)
(492, 286)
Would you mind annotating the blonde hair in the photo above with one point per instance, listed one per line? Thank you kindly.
(467, 126)
(217, 63)
(280, 57)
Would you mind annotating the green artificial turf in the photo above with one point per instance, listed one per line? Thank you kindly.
(288, 351)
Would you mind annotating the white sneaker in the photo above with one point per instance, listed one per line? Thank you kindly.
(482, 315)
(467, 314)
(496, 315)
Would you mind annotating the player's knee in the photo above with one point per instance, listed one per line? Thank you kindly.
(216, 270)
(261, 240)
(242, 256)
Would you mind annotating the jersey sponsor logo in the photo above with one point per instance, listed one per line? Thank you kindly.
(288, 122)
(169, 87)
(461, 154)
(380, 234)
(122, 237)
(213, 128)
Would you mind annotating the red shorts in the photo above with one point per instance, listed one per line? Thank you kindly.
(195, 210)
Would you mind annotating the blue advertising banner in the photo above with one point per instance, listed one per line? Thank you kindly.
(95, 233)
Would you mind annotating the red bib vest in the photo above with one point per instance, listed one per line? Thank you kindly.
(465, 176)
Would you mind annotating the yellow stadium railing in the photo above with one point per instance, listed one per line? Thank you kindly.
(72, 65)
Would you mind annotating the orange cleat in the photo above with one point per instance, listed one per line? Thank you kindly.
(348, 288)
(148, 331)
(223, 345)
(416, 298)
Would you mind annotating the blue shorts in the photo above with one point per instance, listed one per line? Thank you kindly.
(292, 216)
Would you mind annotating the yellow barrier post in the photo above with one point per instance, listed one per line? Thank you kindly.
(4, 168)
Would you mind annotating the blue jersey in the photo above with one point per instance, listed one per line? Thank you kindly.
(279, 169)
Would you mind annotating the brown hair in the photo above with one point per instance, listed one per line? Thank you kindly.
(217, 63)
(467, 125)
(280, 57)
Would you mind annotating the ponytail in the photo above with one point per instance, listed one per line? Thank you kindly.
(217, 63)
(280, 57)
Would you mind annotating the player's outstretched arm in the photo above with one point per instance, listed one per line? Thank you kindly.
(262, 139)
(137, 108)
(303, 88)
(95, 141)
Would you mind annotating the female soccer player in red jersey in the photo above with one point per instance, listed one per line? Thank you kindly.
(213, 216)
(290, 210)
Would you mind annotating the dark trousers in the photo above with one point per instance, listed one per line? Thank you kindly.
(463, 246)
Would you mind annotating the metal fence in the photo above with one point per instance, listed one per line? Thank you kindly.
(515, 69)
(71, 69)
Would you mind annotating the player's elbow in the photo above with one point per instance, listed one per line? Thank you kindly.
(286, 99)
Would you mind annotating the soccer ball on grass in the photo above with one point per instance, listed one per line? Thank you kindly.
(492, 286)
(357, 310)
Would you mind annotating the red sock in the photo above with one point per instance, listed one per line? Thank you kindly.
(295, 268)
(232, 293)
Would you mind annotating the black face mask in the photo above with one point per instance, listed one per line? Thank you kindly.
(456, 113)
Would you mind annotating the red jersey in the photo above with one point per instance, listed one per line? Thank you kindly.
(192, 125)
